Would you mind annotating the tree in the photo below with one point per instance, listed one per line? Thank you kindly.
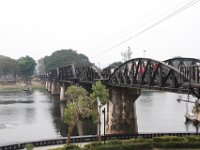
(80, 105)
(100, 93)
(26, 67)
(126, 55)
(7, 65)
(62, 58)
(41, 66)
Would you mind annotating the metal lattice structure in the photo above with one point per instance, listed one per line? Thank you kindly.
(175, 75)
(147, 73)
(179, 62)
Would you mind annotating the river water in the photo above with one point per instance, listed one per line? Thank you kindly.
(37, 115)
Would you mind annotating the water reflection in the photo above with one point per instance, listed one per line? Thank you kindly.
(35, 116)
(160, 112)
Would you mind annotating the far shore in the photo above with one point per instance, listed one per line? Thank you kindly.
(21, 86)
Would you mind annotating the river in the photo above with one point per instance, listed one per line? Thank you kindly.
(37, 115)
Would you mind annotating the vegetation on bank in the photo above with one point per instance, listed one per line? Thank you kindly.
(165, 142)
(16, 70)
(19, 87)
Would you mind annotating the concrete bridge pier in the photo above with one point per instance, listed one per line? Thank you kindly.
(62, 92)
(121, 111)
(49, 86)
(55, 88)
(46, 85)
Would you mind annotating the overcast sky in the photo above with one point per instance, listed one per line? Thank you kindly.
(94, 27)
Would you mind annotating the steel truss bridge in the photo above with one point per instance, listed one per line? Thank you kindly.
(181, 75)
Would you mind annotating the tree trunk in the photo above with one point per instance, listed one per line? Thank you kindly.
(99, 122)
(71, 130)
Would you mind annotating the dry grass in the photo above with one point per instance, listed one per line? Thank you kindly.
(21, 86)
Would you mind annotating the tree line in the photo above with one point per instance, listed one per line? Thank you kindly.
(24, 67)
(21, 68)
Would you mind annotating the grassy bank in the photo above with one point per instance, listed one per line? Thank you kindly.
(157, 143)
(19, 87)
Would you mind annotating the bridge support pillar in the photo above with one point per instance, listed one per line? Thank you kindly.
(49, 86)
(55, 88)
(46, 85)
(62, 92)
(122, 112)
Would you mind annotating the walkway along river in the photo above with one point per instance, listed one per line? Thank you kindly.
(37, 116)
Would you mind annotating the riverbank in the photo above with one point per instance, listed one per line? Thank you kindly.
(20, 86)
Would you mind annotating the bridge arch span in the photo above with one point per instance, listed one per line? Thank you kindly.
(147, 73)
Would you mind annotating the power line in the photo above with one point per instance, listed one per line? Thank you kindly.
(188, 5)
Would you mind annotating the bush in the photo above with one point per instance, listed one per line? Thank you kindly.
(114, 142)
(108, 147)
(133, 146)
(177, 139)
(138, 140)
(161, 139)
(71, 147)
(29, 146)
(92, 145)
(176, 144)
(193, 138)
(137, 146)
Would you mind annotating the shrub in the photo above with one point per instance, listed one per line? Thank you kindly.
(114, 142)
(71, 147)
(193, 138)
(29, 146)
(161, 139)
(176, 144)
(138, 140)
(133, 146)
(109, 147)
(137, 146)
(92, 145)
(177, 139)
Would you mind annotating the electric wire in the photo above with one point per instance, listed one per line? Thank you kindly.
(188, 5)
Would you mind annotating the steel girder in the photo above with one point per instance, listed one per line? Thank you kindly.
(178, 62)
(90, 74)
(148, 73)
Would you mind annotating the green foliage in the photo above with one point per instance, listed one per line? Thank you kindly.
(114, 142)
(70, 113)
(100, 92)
(169, 139)
(62, 58)
(134, 140)
(8, 65)
(193, 138)
(116, 64)
(79, 102)
(133, 146)
(177, 145)
(79, 106)
(29, 146)
(71, 147)
(75, 93)
(41, 66)
(92, 145)
(161, 139)
(26, 66)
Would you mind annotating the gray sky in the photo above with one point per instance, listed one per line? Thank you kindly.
(92, 27)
